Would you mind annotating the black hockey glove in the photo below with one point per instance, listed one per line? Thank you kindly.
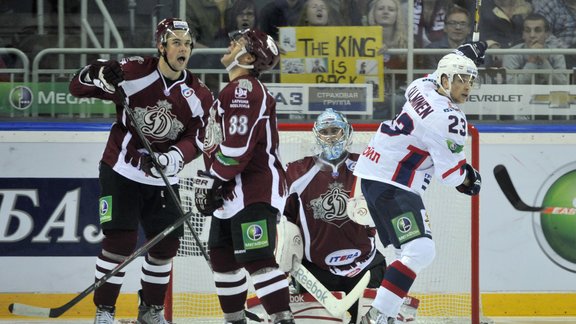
(473, 50)
(171, 163)
(472, 183)
(207, 193)
(106, 74)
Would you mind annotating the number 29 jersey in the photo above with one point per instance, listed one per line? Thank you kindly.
(426, 139)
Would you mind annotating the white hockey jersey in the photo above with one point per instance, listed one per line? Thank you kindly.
(426, 139)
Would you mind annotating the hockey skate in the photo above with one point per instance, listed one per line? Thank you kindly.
(104, 315)
(373, 316)
(150, 314)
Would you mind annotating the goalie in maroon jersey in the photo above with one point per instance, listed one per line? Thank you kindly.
(244, 186)
(337, 250)
(171, 106)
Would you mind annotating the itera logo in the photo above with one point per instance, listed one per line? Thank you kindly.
(21, 98)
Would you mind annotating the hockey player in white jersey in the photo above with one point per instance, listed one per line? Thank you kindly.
(425, 140)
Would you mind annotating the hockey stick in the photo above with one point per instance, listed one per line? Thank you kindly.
(333, 305)
(171, 191)
(27, 310)
(476, 33)
(505, 183)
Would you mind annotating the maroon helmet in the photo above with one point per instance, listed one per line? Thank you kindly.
(167, 26)
(262, 46)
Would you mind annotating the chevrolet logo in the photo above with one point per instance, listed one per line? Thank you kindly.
(555, 99)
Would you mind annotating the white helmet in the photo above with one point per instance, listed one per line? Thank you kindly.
(454, 64)
(333, 134)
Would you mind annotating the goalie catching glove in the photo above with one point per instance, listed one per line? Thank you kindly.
(289, 245)
(106, 75)
(472, 182)
(170, 162)
(207, 193)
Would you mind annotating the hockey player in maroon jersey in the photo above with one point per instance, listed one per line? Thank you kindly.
(171, 106)
(337, 250)
(244, 186)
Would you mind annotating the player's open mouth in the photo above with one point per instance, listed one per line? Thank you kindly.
(181, 59)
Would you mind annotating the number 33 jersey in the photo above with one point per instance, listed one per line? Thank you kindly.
(425, 140)
(241, 146)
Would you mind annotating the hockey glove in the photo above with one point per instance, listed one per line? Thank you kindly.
(472, 183)
(171, 163)
(473, 50)
(106, 75)
(207, 193)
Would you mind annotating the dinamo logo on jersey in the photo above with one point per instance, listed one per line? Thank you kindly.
(158, 121)
(331, 206)
(213, 135)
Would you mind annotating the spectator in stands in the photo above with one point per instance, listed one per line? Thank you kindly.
(351, 11)
(457, 28)
(536, 34)
(561, 14)
(242, 15)
(390, 15)
(280, 13)
(501, 23)
(220, 18)
(318, 13)
(208, 21)
(429, 21)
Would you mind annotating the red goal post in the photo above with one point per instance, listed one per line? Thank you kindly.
(448, 290)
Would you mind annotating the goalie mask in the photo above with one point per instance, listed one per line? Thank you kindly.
(333, 134)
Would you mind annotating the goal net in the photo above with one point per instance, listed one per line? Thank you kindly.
(448, 289)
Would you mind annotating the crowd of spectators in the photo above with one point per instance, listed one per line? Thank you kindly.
(443, 24)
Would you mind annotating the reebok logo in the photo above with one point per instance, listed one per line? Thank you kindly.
(310, 285)
(296, 298)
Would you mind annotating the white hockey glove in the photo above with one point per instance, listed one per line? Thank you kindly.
(171, 162)
(289, 245)
(358, 211)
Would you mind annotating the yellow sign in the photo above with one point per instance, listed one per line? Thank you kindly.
(342, 54)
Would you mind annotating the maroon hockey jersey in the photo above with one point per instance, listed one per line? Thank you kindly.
(317, 203)
(169, 114)
(241, 145)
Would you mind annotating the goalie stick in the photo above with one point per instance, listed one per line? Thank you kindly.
(505, 182)
(333, 305)
(27, 310)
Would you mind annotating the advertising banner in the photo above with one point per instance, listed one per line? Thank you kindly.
(333, 55)
(49, 99)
